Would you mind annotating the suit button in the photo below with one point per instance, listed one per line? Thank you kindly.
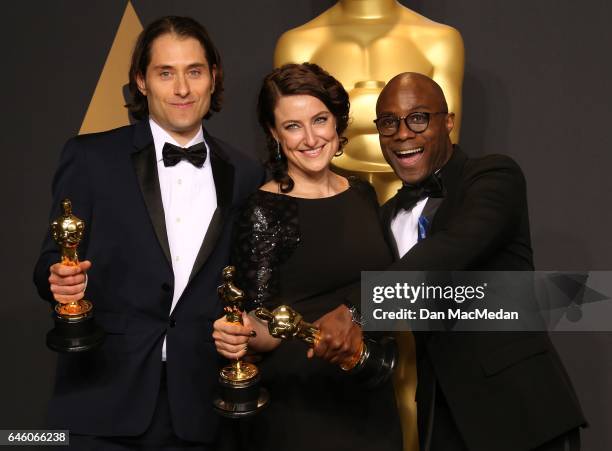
(166, 287)
(172, 322)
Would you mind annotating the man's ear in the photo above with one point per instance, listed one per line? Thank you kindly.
(213, 74)
(142, 85)
(450, 122)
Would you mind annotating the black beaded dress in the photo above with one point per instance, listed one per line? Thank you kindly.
(305, 253)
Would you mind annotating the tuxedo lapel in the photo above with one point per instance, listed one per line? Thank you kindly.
(431, 208)
(223, 175)
(145, 165)
(451, 175)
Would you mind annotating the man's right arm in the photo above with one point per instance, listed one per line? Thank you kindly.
(71, 181)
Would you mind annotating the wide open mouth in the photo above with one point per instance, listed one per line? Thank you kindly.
(408, 153)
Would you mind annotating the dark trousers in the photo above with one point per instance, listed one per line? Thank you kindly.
(445, 436)
(159, 436)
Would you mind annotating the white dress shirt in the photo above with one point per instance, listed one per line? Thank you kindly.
(405, 227)
(189, 199)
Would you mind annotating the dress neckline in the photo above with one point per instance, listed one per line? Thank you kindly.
(334, 196)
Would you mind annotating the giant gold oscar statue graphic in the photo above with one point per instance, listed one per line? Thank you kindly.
(364, 43)
(371, 365)
(75, 330)
(240, 394)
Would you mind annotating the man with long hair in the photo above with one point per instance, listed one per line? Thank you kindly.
(158, 199)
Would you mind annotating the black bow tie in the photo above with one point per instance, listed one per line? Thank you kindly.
(195, 154)
(408, 195)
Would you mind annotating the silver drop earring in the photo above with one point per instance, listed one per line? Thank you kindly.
(278, 151)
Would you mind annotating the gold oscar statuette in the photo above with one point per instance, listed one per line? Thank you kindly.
(372, 364)
(240, 394)
(75, 330)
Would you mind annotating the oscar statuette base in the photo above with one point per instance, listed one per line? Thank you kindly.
(239, 399)
(377, 362)
(75, 335)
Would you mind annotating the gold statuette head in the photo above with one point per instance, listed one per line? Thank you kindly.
(67, 230)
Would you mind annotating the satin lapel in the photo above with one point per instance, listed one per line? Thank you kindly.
(386, 213)
(145, 165)
(431, 207)
(451, 176)
(223, 175)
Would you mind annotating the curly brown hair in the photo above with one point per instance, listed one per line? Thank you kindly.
(298, 79)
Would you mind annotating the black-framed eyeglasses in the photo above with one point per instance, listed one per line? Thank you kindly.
(417, 122)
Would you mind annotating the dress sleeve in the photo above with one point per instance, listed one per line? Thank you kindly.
(266, 233)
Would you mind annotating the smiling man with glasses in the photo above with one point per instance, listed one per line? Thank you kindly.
(502, 391)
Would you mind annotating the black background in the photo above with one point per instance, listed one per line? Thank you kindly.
(537, 87)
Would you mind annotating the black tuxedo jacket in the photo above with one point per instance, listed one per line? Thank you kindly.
(111, 179)
(506, 391)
